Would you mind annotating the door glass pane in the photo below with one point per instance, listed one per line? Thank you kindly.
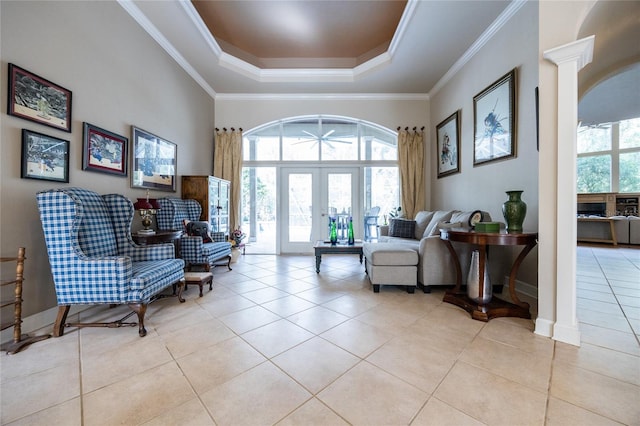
(382, 185)
(339, 140)
(258, 210)
(339, 197)
(594, 174)
(300, 203)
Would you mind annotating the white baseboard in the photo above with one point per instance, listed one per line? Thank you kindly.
(523, 288)
(567, 334)
(544, 327)
(40, 323)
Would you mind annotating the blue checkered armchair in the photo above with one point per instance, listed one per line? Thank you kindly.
(93, 258)
(171, 216)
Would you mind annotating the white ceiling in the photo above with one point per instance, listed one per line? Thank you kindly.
(616, 98)
(434, 38)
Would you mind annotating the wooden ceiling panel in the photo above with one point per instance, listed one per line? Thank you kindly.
(302, 29)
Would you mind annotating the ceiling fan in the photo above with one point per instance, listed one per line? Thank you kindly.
(583, 127)
(324, 138)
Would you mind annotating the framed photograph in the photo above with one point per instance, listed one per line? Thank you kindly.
(154, 162)
(494, 121)
(44, 157)
(448, 145)
(104, 151)
(33, 98)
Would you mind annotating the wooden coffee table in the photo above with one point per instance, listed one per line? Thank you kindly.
(324, 247)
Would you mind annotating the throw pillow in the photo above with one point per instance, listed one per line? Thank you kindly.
(199, 229)
(439, 216)
(422, 220)
(402, 228)
(449, 225)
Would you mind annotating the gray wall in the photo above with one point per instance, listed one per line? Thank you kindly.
(483, 187)
(119, 77)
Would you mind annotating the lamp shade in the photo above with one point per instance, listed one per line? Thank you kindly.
(154, 203)
(142, 204)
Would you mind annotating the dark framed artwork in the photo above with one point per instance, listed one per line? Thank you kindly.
(537, 121)
(448, 145)
(104, 151)
(154, 161)
(44, 157)
(36, 99)
(494, 121)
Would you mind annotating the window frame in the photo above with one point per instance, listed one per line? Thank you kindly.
(614, 153)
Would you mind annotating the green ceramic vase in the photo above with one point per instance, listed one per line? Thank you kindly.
(514, 210)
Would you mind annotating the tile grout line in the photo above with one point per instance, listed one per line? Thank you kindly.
(616, 297)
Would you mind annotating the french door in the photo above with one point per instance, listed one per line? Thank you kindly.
(309, 197)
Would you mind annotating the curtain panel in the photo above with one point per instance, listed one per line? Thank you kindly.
(227, 164)
(411, 165)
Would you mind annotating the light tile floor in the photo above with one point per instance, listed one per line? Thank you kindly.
(276, 343)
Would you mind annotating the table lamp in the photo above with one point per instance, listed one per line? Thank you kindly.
(147, 208)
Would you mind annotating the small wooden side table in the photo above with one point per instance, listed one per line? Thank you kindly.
(158, 238)
(496, 307)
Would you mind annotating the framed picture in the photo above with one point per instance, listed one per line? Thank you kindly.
(33, 98)
(154, 162)
(448, 145)
(494, 121)
(104, 151)
(44, 157)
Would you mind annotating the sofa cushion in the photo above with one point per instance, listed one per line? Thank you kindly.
(447, 225)
(402, 228)
(462, 217)
(390, 254)
(439, 216)
(422, 220)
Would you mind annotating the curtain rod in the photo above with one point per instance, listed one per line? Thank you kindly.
(407, 128)
(232, 129)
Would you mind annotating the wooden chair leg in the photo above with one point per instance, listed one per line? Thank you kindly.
(61, 319)
(229, 263)
(140, 309)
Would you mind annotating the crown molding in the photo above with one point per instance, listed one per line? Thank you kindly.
(322, 96)
(153, 31)
(484, 38)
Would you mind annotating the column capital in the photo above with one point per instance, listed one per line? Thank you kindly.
(579, 51)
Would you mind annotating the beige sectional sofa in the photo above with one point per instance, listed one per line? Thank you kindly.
(435, 267)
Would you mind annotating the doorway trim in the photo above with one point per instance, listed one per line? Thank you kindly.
(570, 59)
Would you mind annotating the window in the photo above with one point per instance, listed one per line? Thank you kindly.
(609, 157)
(313, 142)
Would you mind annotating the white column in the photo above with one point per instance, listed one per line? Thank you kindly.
(570, 59)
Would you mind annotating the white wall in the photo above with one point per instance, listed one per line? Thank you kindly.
(389, 111)
(119, 77)
(483, 187)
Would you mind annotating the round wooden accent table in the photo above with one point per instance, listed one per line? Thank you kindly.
(496, 307)
(158, 238)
